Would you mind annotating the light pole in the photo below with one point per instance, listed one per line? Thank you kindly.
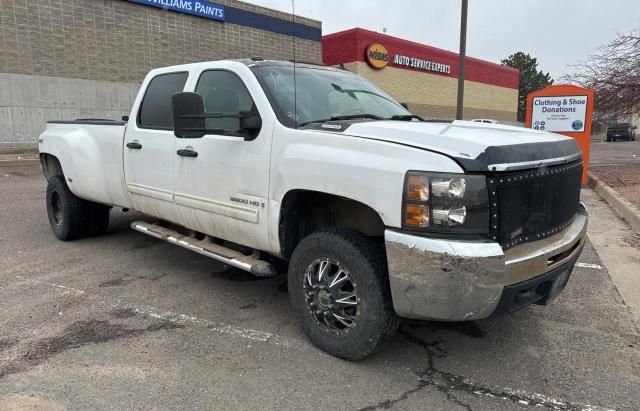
(463, 50)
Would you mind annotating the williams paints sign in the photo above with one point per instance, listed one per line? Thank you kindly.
(377, 55)
(200, 8)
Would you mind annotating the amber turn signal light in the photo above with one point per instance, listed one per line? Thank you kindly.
(417, 188)
(416, 215)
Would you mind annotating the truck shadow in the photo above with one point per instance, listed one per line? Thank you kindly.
(468, 328)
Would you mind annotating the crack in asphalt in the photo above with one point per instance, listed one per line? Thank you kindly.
(76, 335)
(126, 280)
(6, 343)
(430, 376)
(433, 350)
(386, 404)
(449, 384)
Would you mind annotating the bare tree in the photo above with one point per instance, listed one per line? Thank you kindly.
(613, 72)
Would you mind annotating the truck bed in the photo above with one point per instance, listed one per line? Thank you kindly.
(91, 121)
(91, 152)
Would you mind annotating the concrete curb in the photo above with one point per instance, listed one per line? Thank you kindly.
(16, 151)
(624, 208)
(18, 157)
(18, 148)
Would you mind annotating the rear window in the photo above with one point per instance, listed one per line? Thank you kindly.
(155, 110)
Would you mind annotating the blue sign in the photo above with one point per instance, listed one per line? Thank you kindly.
(200, 8)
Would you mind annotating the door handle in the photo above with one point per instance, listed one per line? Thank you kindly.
(134, 146)
(187, 153)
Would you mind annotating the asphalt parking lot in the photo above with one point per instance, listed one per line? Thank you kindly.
(126, 321)
(616, 152)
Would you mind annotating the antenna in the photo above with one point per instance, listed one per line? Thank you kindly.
(295, 90)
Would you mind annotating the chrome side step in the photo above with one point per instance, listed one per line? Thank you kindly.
(255, 266)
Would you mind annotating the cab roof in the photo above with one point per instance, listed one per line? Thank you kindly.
(260, 62)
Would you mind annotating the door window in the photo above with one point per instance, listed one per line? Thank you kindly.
(224, 92)
(155, 110)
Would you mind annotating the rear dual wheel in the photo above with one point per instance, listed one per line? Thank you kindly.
(97, 220)
(72, 217)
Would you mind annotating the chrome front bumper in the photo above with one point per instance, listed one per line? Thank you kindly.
(451, 280)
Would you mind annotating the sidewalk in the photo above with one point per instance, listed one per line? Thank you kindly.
(617, 245)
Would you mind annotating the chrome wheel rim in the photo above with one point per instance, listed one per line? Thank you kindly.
(331, 295)
(56, 207)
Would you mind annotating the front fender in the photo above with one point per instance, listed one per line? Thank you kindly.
(368, 171)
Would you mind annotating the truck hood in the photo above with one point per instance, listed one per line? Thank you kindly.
(475, 146)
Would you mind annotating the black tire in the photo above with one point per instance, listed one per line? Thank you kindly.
(608, 139)
(67, 213)
(97, 219)
(374, 320)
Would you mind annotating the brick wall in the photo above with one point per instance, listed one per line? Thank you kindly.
(115, 40)
(66, 59)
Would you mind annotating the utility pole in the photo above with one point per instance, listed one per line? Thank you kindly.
(463, 51)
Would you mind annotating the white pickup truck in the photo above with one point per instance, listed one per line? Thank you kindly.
(379, 214)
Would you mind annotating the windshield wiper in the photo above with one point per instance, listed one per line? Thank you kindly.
(345, 117)
(406, 117)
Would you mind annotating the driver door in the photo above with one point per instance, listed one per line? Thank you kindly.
(221, 184)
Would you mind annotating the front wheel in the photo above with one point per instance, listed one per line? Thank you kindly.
(339, 289)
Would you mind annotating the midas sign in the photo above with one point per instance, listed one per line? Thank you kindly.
(377, 55)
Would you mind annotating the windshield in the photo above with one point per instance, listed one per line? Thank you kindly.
(323, 95)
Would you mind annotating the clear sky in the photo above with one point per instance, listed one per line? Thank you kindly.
(558, 32)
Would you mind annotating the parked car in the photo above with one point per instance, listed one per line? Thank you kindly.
(485, 120)
(625, 131)
(380, 215)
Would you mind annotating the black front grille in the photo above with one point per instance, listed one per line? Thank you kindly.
(532, 204)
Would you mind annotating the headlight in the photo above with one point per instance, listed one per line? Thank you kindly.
(446, 202)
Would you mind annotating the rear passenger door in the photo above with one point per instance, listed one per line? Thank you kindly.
(223, 191)
(149, 154)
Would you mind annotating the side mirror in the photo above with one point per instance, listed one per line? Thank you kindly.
(251, 122)
(635, 127)
(405, 105)
(188, 115)
(189, 118)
